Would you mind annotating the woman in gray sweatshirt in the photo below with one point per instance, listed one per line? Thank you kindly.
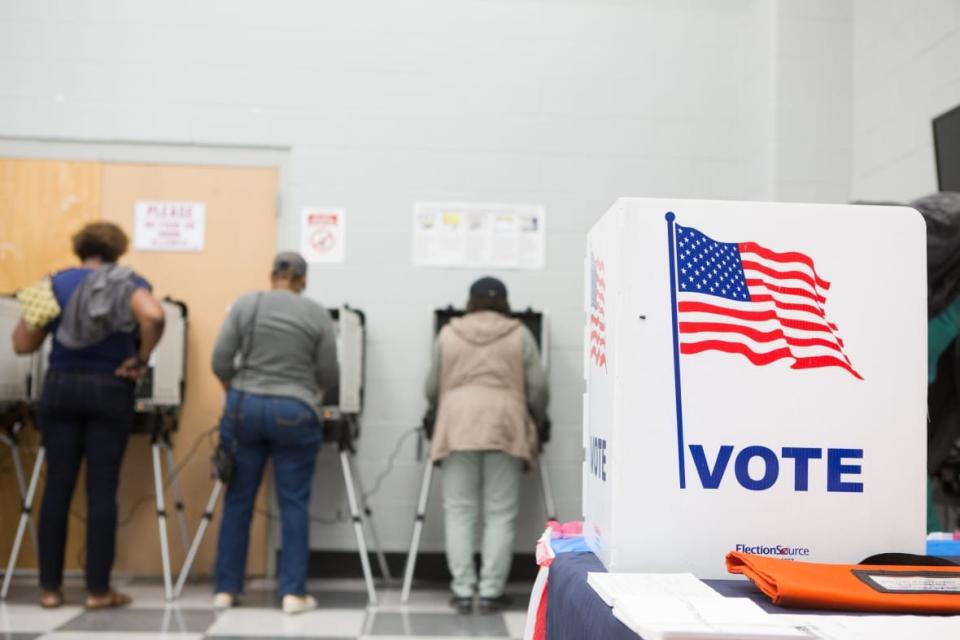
(277, 357)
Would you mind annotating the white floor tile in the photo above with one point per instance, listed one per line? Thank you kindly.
(326, 623)
(460, 637)
(26, 618)
(118, 635)
(516, 622)
(420, 600)
(148, 596)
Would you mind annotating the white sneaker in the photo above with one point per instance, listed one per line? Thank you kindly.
(298, 604)
(223, 600)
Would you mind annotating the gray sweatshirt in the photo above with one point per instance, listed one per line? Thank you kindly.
(293, 352)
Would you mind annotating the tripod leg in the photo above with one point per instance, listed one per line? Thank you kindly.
(368, 517)
(177, 496)
(21, 480)
(547, 489)
(162, 522)
(197, 539)
(357, 526)
(24, 519)
(417, 531)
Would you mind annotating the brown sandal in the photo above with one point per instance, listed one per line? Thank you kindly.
(51, 599)
(110, 600)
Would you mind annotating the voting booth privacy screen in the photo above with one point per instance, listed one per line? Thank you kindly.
(16, 372)
(350, 356)
(163, 384)
(755, 382)
(21, 377)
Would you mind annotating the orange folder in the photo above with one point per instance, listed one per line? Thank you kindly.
(857, 587)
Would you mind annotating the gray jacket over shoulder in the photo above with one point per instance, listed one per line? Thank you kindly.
(99, 307)
(282, 344)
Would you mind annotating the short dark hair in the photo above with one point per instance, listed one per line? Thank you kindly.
(103, 240)
(487, 303)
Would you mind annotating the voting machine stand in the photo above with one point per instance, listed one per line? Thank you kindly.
(14, 418)
(19, 375)
(536, 322)
(158, 398)
(340, 426)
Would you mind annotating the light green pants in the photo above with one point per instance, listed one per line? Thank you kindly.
(475, 484)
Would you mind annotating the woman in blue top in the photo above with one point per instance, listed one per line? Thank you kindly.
(109, 324)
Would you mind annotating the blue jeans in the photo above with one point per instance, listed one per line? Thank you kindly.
(289, 432)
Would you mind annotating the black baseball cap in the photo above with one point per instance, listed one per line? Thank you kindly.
(488, 287)
(290, 262)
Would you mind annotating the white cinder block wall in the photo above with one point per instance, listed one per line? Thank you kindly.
(906, 71)
(380, 103)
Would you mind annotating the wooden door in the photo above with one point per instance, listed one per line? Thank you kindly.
(42, 204)
(241, 240)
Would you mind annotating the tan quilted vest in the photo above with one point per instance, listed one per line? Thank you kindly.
(482, 403)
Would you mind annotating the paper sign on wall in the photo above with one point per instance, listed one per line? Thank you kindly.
(170, 226)
(507, 236)
(322, 234)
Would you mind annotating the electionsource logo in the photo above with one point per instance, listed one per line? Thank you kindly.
(778, 551)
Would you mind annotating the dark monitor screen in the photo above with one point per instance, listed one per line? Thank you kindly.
(533, 320)
(946, 142)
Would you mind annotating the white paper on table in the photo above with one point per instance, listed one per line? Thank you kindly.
(689, 618)
(611, 586)
(876, 626)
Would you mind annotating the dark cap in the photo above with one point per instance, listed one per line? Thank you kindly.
(488, 287)
(290, 263)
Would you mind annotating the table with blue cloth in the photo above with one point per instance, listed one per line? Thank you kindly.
(576, 612)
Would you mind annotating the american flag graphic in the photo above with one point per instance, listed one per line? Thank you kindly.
(745, 299)
(598, 323)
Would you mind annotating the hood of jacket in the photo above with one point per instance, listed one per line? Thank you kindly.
(483, 327)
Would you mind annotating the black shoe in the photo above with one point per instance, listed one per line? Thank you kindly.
(494, 605)
(463, 604)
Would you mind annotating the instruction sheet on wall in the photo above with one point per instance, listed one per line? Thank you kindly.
(451, 234)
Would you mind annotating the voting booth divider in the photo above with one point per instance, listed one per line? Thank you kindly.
(341, 426)
(536, 322)
(159, 396)
(755, 381)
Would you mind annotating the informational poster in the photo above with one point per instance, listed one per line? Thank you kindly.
(170, 226)
(506, 236)
(322, 234)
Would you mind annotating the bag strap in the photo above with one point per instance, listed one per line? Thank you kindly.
(244, 357)
(251, 330)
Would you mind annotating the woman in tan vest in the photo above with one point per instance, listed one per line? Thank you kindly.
(489, 391)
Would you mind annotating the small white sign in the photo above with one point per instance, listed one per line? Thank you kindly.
(170, 226)
(506, 236)
(322, 234)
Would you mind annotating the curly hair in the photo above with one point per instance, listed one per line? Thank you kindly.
(103, 240)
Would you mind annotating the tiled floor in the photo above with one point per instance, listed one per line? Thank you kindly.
(343, 614)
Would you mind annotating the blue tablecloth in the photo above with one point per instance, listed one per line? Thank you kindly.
(576, 612)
